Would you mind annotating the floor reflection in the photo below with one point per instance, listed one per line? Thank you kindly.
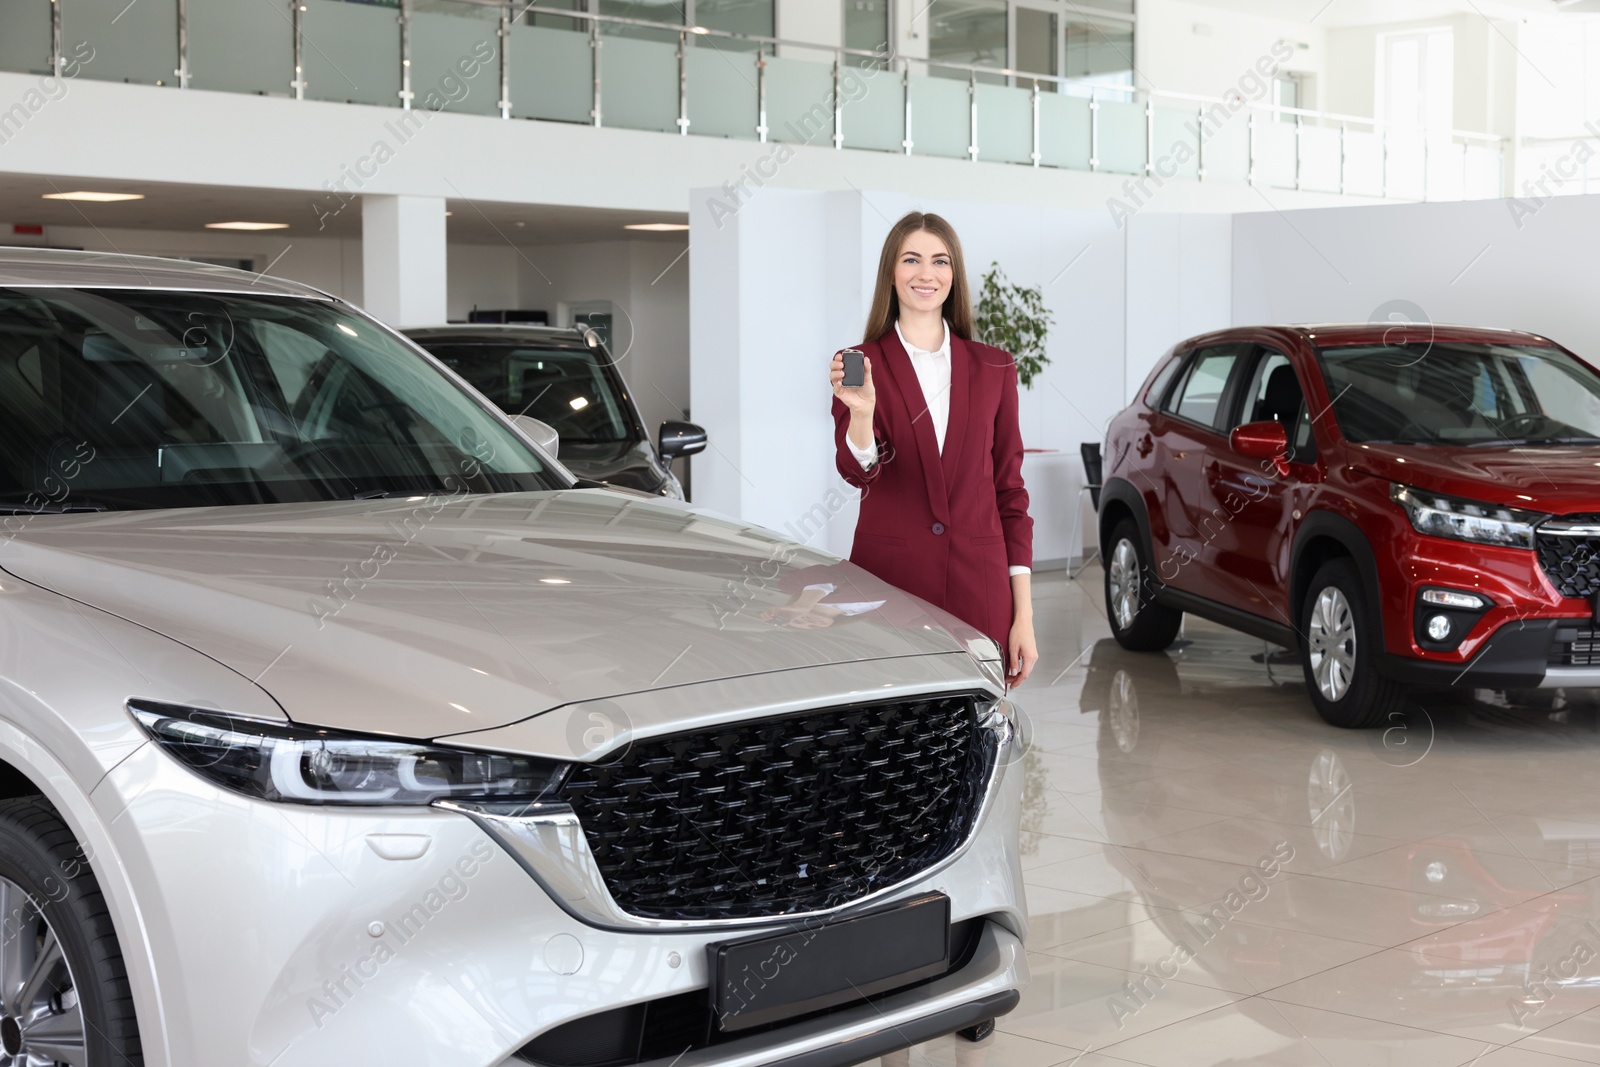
(1215, 876)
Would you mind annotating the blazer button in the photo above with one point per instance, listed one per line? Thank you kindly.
(938, 527)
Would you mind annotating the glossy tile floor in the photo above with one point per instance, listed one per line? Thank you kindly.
(1434, 889)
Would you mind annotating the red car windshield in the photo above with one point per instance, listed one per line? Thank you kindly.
(1462, 393)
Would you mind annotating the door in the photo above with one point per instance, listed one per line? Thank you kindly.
(1250, 524)
(1184, 434)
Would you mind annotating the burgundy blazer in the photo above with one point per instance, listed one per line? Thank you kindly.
(948, 527)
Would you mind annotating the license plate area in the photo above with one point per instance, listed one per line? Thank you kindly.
(764, 979)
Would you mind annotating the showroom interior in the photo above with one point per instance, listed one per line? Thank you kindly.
(1214, 872)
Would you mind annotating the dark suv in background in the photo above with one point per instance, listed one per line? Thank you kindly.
(568, 380)
(1402, 505)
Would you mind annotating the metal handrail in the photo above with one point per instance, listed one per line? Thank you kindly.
(890, 58)
(766, 46)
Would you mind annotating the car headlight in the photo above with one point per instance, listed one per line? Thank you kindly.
(1466, 520)
(296, 764)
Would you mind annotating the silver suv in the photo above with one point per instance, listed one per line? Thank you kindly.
(338, 726)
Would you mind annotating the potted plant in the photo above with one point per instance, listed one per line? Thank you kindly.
(1013, 318)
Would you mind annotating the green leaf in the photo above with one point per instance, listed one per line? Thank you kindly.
(1014, 318)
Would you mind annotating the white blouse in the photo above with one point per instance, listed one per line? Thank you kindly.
(933, 375)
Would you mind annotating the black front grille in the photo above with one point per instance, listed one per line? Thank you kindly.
(1572, 563)
(1579, 648)
(786, 815)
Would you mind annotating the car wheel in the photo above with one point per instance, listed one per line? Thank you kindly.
(1138, 624)
(64, 996)
(1339, 650)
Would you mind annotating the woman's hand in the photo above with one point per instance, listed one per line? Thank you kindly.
(1023, 653)
(860, 399)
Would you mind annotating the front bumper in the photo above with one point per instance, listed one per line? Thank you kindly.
(301, 937)
(1522, 654)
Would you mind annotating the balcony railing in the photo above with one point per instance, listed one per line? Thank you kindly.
(484, 57)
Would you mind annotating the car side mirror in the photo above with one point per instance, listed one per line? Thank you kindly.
(679, 439)
(544, 435)
(1262, 440)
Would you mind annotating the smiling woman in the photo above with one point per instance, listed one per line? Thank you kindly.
(946, 517)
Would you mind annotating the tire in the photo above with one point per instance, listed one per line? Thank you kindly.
(1138, 624)
(1339, 647)
(54, 924)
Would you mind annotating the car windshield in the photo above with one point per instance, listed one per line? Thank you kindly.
(564, 387)
(1462, 393)
(118, 399)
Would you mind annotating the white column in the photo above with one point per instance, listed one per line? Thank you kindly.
(403, 259)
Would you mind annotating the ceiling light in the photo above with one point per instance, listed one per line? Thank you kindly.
(99, 198)
(554, 581)
(247, 225)
(658, 227)
(579, 403)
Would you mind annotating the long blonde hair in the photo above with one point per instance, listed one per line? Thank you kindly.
(886, 301)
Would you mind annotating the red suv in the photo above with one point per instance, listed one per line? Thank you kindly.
(1404, 505)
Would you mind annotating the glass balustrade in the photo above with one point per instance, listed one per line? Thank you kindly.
(25, 36)
(350, 51)
(241, 47)
(455, 56)
(636, 65)
(135, 43)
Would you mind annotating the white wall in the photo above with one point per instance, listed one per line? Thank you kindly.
(1484, 99)
(788, 280)
(1172, 56)
(331, 264)
(1179, 284)
(482, 276)
(1463, 263)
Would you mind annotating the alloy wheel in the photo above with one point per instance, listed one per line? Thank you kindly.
(41, 1020)
(1332, 643)
(1124, 579)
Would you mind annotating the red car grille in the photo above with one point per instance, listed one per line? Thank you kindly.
(1572, 562)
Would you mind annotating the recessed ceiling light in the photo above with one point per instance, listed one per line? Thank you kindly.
(658, 227)
(99, 198)
(247, 225)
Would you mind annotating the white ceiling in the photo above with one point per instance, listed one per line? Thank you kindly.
(1368, 12)
(190, 207)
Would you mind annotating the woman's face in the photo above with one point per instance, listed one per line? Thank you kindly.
(922, 273)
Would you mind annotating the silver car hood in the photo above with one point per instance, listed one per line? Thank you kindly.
(421, 617)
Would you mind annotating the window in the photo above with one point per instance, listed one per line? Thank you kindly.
(971, 32)
(1462, 394)
(866, 26)
(558, 22)
(173, 399)
(1416, 79)
(1158, 387)
(1036, 41)
(753, 17)
(669, 11)
(1099, 55)
(1199, 397)
(1274, 395)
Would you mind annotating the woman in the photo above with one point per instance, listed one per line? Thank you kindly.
(944, 513)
